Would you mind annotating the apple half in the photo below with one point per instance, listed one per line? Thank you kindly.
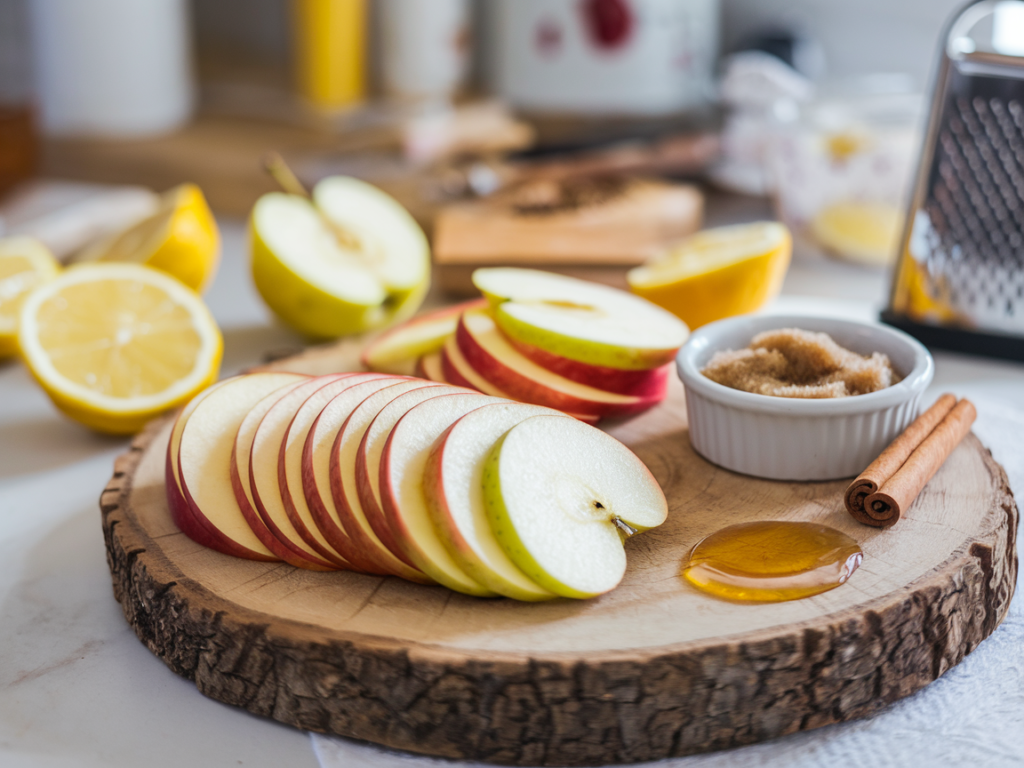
(561, 499)
(489, 353)
(344, 484)
(403, 497)
(579, 320)
(396, 350)
(204, 460)
(350, 260)
(453, 488)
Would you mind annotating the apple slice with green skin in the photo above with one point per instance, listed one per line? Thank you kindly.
(181, 514)
(396, 350)
(651, 383)
(453, 487)
(371, 446)
(295, 553)
(365, 556)
(357, 264)
(579, 320)
(460, 373)
(561, 498)
(265, 474)
(204, 459)
(290, 461)
(344, 483)
(491, 355)
(429, 367)
(404, 501)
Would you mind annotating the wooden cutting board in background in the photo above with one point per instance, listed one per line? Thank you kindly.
(651, 670)
(594, 228)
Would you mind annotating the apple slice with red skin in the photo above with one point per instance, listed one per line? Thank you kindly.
(371, 444)
(459, 372)
(181, 514)
(290, 461)
(401, 477)
(396, 350)
(429, 367)
(489, 353)
(265, 472)
(453, 488)
(204, 460)
(652, 383)
(316, 479)
(297, 554)
(344, 485)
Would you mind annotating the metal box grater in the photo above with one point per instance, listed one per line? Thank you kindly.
(959, 283)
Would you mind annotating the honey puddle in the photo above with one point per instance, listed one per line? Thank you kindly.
(772, 561)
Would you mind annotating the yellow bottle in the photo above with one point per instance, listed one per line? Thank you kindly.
(330, 51)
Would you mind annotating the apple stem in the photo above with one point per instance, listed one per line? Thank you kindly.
(626, 528)
(285, 177)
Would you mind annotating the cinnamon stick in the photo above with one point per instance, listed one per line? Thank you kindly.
(894, 457)
(887, 504)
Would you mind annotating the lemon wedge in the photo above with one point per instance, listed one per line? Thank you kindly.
(864, 232)
(181, 239)
(24, 264)
(717, 272)
(114, 345)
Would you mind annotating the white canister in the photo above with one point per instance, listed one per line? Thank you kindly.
(112, 67)
(643, 57)
(425, 47)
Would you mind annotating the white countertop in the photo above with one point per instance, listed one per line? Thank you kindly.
(77, 688)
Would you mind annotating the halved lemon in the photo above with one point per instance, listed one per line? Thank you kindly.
(861, 231)
(114, 345)
(181, 239)
(717, 272)
(25, 263)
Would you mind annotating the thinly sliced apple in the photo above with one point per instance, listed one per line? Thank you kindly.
(204, 460)
(290, 467)
(561, 497)
(453, 488)
(344, 483)
(582, 321)
(371, 446)
(429, 367)
(403, 498)
(181, 514)
(316, 479)
(651, 383)
(491, 355)
(265, 472)
(396, 350)
(296, 554)
(460, 373)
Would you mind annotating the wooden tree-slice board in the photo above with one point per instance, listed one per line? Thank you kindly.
(651, 670)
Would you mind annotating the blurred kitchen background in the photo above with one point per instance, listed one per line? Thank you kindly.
(806, 110)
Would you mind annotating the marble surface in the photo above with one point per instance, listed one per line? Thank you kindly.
(78, 689)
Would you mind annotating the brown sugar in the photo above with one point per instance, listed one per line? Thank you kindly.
(791, 362)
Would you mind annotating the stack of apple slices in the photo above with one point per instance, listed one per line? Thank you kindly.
(393, 475)
(581, 348)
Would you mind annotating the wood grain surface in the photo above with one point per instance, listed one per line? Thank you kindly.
(651, 670)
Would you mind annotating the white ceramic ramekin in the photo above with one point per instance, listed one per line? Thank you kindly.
(783, 438)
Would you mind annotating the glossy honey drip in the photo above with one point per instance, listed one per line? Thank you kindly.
(772, 561)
